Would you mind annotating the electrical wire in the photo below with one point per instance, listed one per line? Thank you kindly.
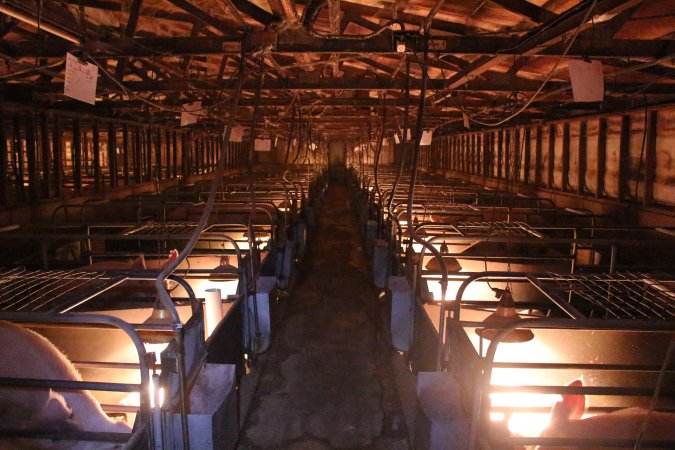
(356, 37)
(544, 82)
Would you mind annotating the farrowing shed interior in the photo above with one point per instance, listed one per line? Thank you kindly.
(337, 224)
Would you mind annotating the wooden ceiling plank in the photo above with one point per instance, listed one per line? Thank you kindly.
(255, 12)
(526, 9)
(202, 15)
(285, 9)
(439, 25)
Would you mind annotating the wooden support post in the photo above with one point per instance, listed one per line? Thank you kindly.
(84, 158)
(624, 159)
(538, 169)
(527, 154)
(185, 170)
(475, 167)
(57, 146)
(467, 153)
(77, 155)
(46, 156)
(507, 155)
(158, 154)
(551, 155)
(31, 157)
(112, 154)
(125, 154)
(148, 154)
(650, 157)
(4, 173)
(581, 177)
(500, 152)
(474, 153)
(167, 143)
(489, 152)
(194, 154)
(451, 152)
(459, 151)
(174, 137)
(518, 156)
(96, 148)
(602, 157)
(18, 160)
(200, 156)
(207, 154)
(566, 157)
(138, 159)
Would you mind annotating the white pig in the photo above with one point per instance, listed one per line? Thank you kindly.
(566, 422)
(26, 354)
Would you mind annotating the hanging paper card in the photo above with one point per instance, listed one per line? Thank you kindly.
(426, 137)
(588, 81)
(467, 124)
(81, 80)
(397, 139)
(263, 145)
(237, 134)
(385, 142)
(191, 112)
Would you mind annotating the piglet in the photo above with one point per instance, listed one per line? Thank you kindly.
(136, 265)
(27, 354)
(566, 422)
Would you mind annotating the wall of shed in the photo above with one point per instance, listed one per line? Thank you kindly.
(620, 163)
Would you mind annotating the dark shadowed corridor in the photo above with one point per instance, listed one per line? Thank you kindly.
(328, 381)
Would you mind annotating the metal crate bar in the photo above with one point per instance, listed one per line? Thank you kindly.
(619, 296)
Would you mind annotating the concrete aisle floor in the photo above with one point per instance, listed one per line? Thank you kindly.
(328, 381)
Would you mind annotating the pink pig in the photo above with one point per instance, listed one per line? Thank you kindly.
(566, 422)
(27, 354)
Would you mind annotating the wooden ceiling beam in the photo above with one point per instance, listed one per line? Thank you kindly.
(129, 30)
(585, 45)
(351, 84)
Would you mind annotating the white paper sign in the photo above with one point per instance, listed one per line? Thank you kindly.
(81, 80)
(588, 81)
(263, 145)
(191, 112)
(237, 134)
(467, 124)
(397, 139)
(426, 137)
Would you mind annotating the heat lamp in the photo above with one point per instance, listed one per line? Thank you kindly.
(504, 314)
(159, 316)
(451, 264)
